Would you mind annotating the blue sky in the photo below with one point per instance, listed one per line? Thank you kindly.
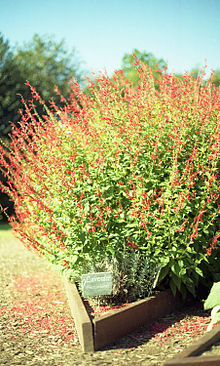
(184, 33)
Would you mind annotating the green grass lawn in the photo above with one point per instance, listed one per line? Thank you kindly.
(5, 230)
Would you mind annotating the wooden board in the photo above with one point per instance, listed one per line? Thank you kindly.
(95, 333)
(192, 355)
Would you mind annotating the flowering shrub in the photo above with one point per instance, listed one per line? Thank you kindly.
(121, 169)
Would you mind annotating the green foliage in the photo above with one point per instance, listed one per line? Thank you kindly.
(213, 302)
(214, 297)
(6, 204)
(215, 315)
(45, 63)
(10, 85)
(130, 70)
(134, 172)
(196, 72)
(216, 77)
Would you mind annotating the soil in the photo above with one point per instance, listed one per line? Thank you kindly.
(36, 326)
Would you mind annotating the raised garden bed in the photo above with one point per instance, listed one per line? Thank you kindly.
(96, 332)
(192, 356)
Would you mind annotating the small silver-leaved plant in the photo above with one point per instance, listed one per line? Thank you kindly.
(133, 276)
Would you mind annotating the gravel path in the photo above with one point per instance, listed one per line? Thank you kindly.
(36, 326)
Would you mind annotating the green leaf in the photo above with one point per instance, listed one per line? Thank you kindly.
(177, 281)
(183, 290)
(175, 268)
(190, 284)
(181, 263)
(164, 261)
(215, 315)
(162, 274)
(199, 271)
(214, 297)
(173, 286)
(74, 259)
(87, 209)
(182, 272)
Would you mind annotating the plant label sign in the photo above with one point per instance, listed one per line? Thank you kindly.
(94, 284)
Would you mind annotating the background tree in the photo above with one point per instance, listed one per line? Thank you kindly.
(195, 72)
(10, 85)
(44, 63)
(216, 77)
(130, 70)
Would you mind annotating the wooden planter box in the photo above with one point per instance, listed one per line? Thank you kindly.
(191, 356)
(103, 330)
